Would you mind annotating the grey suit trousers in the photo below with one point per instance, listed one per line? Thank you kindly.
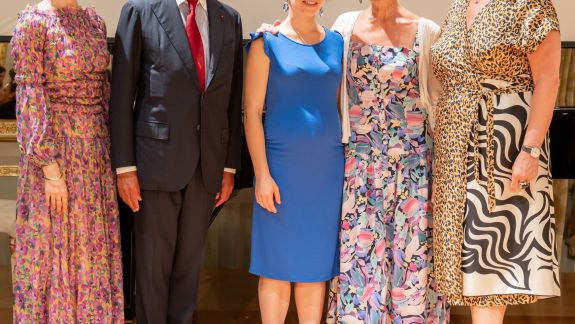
(170, 230)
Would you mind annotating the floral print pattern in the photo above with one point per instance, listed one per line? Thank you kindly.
(386, 247)
(67, 266)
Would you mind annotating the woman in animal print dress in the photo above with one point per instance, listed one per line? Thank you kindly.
(494, 242)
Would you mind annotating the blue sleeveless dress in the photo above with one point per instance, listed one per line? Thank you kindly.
(306, 159)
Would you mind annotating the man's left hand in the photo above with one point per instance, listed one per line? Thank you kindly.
(227, 188)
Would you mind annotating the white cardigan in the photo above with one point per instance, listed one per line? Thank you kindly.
(430, 87)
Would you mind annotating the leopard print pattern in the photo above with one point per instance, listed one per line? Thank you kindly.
(495, 47)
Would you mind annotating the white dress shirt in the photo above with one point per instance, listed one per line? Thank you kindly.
(204, 27)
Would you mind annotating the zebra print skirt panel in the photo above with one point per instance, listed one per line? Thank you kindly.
(510, 250)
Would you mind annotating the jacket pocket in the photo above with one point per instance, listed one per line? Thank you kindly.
(155, 130)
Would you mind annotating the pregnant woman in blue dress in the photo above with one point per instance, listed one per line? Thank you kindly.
(298, 161)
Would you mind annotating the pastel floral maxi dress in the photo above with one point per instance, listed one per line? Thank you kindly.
(67, 265)
(385, 241)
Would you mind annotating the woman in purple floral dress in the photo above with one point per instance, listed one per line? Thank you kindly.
(386, 258)
(67, 251)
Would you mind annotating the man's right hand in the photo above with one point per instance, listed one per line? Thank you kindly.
(267, 28)
(129, 189)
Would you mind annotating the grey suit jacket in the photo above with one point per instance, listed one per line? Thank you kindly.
(160, 119)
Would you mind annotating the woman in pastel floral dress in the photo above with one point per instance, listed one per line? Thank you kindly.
(386, 257)
(67, 261)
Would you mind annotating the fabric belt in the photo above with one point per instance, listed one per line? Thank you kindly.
(487, 95)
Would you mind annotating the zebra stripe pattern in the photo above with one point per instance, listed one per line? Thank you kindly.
(512, 249)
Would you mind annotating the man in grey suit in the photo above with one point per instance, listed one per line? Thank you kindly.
(175, 119)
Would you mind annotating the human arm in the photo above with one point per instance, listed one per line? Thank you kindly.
(256, 79)
(540, 39)
(125, 78)
(545, 63)
(34, 118)
(233, 159)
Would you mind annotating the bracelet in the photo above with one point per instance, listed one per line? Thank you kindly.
(53, 179)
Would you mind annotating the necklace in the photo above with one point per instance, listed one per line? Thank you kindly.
(300, 36)
(303, 41)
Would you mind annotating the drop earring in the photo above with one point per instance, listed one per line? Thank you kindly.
(285, 7)
(321, 12)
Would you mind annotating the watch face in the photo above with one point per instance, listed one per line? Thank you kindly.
(535, 152)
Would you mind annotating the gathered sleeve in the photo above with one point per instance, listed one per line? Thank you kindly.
(256, 36)
(106, 87)
(34, 120)
(537, 20)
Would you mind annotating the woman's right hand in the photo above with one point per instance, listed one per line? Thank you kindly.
(55, 187)
(266, 192)
(267, 28)
(57, 195)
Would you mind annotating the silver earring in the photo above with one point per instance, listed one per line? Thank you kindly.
(286, 6)
(321, 12)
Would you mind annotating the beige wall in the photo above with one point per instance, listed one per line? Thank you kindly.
(256, 11)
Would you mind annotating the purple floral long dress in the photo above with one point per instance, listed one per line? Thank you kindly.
(385, 241)
(67, 266)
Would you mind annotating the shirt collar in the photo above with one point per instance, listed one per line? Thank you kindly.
(203, 3)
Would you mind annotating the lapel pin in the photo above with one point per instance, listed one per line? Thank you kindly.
(222, 18)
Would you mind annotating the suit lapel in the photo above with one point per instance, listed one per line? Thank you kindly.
(216, 20)
(170, 19)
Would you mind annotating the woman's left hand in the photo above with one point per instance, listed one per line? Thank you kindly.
(525, 169)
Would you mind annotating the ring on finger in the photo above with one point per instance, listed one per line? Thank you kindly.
(524, 184)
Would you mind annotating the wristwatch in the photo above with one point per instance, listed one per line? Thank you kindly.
(535, 152)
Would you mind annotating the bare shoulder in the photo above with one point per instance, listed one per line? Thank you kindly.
(256, 48)
(257, 44)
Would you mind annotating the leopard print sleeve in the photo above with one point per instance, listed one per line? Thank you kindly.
(537, 19)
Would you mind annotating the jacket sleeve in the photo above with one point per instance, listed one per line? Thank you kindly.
(34, 118)
(344, 25)
(125, 79)
(233, 160)
(538, 18)
(432, 86)
(344, 22)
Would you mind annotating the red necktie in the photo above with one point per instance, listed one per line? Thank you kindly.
(196, 45)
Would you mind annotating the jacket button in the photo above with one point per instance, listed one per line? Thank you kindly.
(198, 127)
